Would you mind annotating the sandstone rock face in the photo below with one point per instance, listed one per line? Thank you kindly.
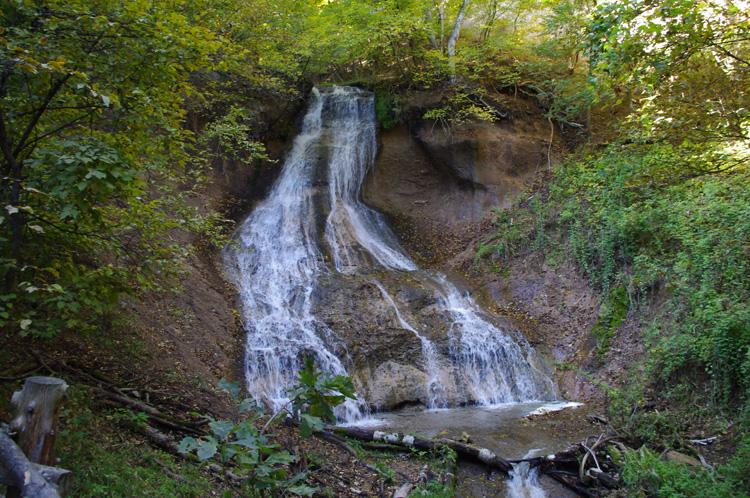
(393, 356)
(455, 177)
(394, 385)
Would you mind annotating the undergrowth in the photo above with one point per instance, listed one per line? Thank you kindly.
(646, 474)
(642, 221)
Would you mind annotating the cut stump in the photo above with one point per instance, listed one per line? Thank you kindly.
(36, 410)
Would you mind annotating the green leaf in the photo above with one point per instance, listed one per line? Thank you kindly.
(222, 428)
(247, 404)
(206, 450)
(280, 458)
(187, 444)
(96, 174)
(302, 490)
(309, 425)
(232, 388)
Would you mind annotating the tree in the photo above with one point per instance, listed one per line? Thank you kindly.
(686, 65)
(91, 142)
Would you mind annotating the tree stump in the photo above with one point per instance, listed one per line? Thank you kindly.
(36, 409)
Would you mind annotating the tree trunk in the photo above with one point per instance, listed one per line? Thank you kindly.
(491, 18)
(441, 13)
(454, 37)
(61, 478)
(36, 409)
(12, 172)
(430, 31)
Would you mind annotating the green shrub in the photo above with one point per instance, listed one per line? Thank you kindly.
(260, 462)
(645, 474)
(611, 315)
(387, 109)
(106, 466)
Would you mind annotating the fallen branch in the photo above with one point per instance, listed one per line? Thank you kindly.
(574, 486)
(537, 461)
(703, 442)
(589, 451)
(161, 440)
(20, 372)
(565, 468)
(153, 414)
(603, 478)
(339, 441)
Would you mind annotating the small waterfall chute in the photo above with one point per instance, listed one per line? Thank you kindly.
(524, 480)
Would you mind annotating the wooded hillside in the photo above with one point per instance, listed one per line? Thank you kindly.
(117, 120)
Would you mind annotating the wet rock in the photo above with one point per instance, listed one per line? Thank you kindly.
(385, 350)
(394, 385)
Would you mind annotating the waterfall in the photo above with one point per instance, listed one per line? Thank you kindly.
(313, 223)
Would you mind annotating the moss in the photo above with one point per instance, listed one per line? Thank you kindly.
(611, 315)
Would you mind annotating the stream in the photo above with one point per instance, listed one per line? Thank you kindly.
(313, 228)
(503, 429)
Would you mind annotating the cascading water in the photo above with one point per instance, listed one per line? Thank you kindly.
(313, 224)
(276, 260)
(523, 481)
(496, 366)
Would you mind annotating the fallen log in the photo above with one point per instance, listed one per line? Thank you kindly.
(567, 467)
(20, 372)
(61, 478)
(604, 479)
(484, 455)
(465, 451)
(153, 414)
(19, 473)
(403, 491)
(572, 485)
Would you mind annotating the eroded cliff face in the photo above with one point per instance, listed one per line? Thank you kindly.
(455, 176)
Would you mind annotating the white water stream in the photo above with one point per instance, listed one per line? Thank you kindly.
(313, 223)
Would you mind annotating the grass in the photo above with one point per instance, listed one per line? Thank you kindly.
(108, 464)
